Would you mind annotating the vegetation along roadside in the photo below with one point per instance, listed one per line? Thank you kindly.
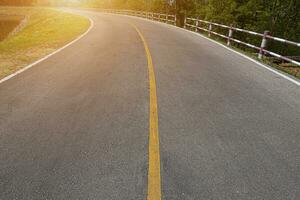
(47, 29)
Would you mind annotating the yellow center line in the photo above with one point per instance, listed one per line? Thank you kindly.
(154, 179)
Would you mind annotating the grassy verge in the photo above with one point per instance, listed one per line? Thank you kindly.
(47, 30)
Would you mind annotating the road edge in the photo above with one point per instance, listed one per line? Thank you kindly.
(271, 69)
(51, 54)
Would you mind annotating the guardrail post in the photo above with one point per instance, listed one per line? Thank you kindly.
(209, 28)
(175, 19)
(263, 45)
(185, 21)
(229, 35)
(167, 18)
(197, 24)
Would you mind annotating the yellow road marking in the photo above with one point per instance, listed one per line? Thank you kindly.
(154, 180)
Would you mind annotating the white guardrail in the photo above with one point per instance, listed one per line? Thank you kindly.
(167, 18)
(207, 26)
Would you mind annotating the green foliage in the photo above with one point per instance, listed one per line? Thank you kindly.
(221, 11)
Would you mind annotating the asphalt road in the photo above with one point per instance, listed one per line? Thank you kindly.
(76, 126)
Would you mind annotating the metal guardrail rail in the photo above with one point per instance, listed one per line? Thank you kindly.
(195, 24)
(166, 18)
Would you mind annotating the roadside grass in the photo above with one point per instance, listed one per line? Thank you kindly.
(47, 30)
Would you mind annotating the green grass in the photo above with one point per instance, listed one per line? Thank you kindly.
(47, 30)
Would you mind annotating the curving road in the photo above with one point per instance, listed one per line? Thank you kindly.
(76, 125)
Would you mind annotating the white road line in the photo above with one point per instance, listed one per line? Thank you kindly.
(51, 54)
(287, 77)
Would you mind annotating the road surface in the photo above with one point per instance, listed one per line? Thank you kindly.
(76, 126)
